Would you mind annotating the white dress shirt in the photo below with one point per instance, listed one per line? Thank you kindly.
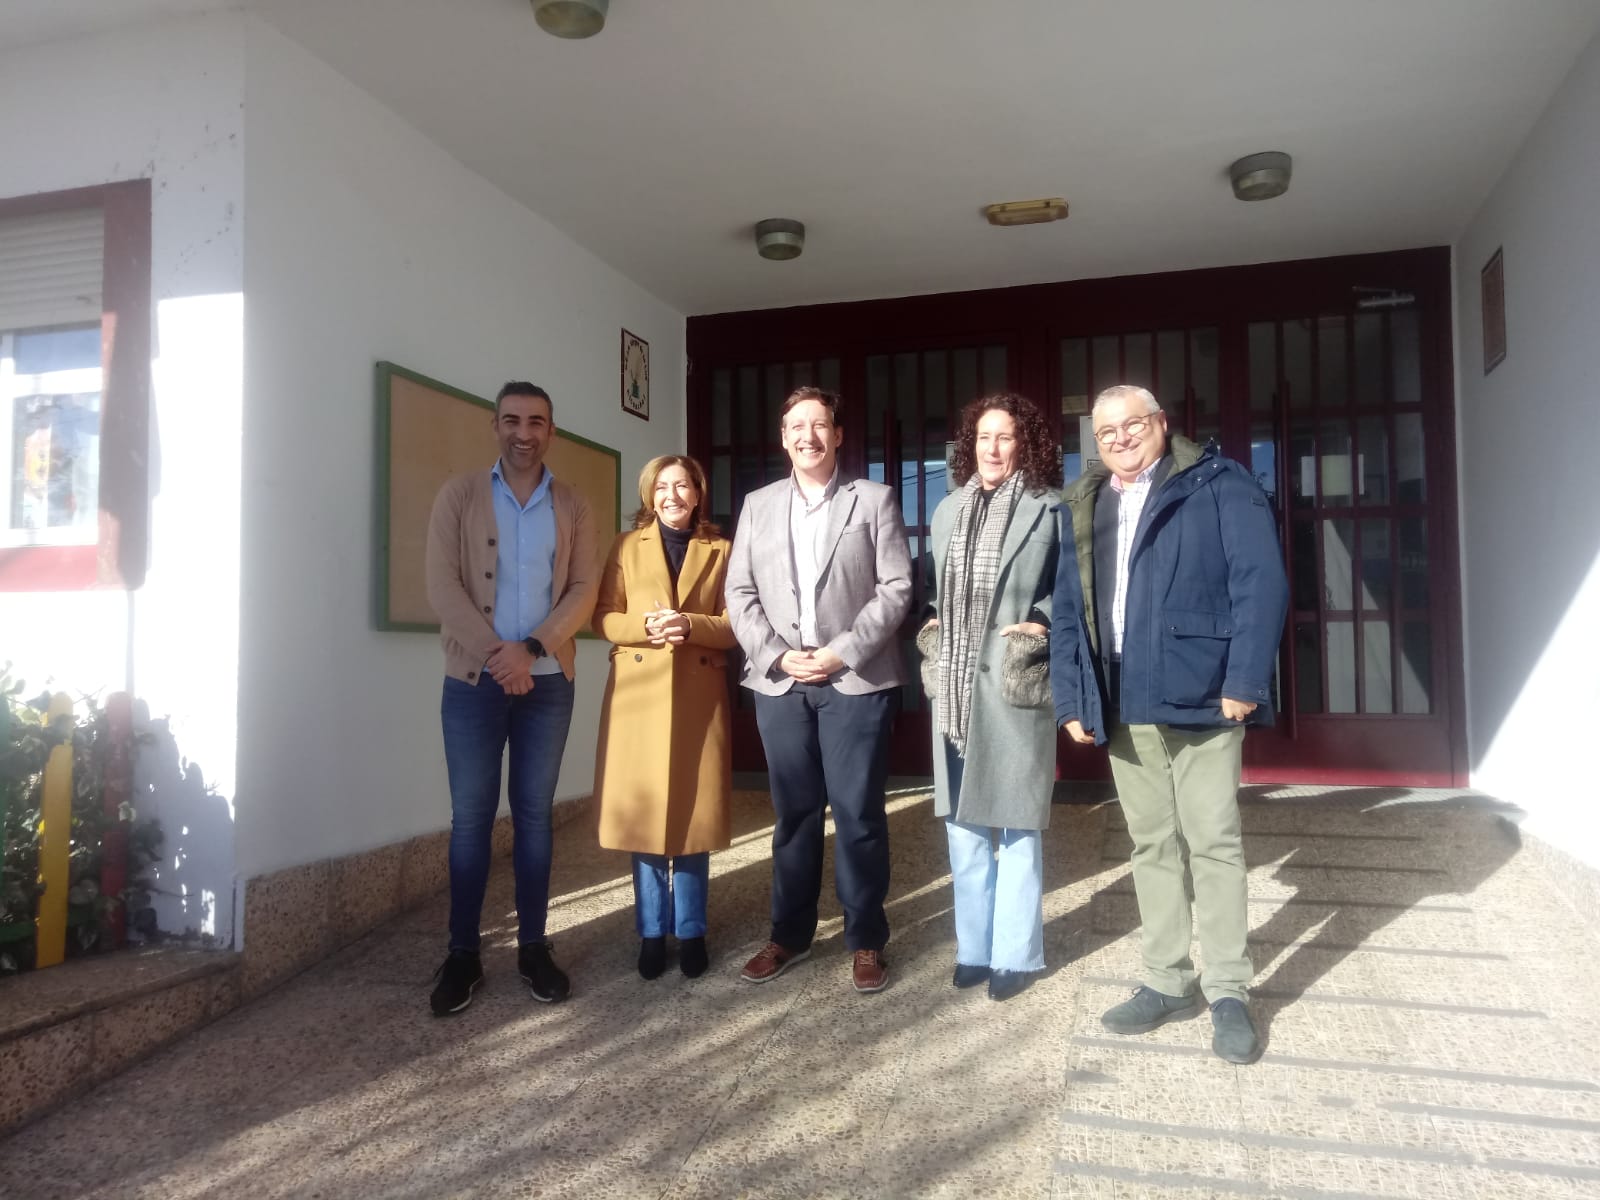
(808, 522)
(1130, 507)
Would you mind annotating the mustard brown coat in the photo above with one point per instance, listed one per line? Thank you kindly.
(664, 766)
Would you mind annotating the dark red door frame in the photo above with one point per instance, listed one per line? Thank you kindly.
(1033, 319)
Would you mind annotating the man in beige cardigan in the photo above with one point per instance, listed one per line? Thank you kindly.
(512, 577)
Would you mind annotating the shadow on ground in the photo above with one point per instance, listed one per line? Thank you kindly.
(340, 1083)
(1333, 891)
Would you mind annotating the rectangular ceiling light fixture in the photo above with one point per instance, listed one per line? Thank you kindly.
(1026, 212)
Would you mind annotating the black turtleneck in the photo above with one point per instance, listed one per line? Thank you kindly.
(675, 544)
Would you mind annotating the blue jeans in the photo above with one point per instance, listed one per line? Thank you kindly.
(999, 898)
(678, 909)
(478, 722)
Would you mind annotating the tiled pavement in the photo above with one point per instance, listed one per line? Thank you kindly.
(1427, 996)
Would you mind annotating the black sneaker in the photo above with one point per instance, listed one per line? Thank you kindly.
(458, 976)
(652, 957)
(548, 982)
(692, 957)
(1146, 1009)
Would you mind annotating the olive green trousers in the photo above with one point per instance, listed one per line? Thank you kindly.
(1179, 790)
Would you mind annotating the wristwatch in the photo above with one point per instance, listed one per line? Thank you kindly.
(535, 647)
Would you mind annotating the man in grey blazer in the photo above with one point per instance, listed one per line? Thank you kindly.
(819, 581)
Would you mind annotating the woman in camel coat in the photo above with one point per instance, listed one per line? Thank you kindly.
(663, 771)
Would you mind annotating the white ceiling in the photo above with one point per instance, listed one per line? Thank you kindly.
(885, 125)
(29, 22)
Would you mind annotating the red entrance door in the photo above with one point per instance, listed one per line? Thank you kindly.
(1343, 415)
(1338, 415)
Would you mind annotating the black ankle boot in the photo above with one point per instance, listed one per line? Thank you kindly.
(652, 957)
(1005, 984)
(692, 957)
(967, 975)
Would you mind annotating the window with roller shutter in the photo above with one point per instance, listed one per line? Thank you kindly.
(74, 387)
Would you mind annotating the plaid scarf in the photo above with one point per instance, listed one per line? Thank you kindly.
(971, 570)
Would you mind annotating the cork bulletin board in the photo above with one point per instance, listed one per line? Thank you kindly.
(429, 431)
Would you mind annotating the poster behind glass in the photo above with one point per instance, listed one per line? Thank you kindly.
(50, 381)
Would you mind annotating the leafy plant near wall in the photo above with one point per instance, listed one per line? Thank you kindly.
(27, 736)
(26, 739)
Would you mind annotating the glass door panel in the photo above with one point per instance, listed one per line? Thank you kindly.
(1179, 367)
(746, 453)
(914, 399)
(1341, 394)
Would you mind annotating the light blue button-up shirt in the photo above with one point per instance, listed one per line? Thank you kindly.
(525, 563)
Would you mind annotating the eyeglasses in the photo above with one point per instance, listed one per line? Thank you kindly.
(1131, 428)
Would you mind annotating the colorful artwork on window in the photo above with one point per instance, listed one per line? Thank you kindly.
(50, 435)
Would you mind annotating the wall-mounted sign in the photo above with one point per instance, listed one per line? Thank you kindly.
(635, 375)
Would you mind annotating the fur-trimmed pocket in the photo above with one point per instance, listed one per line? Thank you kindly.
(928, 647)
(1025, 671)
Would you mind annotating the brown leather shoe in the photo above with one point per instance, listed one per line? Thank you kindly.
(869, 972)
(771, 961)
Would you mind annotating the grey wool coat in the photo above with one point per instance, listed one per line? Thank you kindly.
(1010, 765)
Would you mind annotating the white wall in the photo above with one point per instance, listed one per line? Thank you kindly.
(161, 103)
(366, 241)
(1530, 525)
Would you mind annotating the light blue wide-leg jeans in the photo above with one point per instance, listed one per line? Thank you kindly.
(999, 897)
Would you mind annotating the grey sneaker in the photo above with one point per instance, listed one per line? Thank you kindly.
(1146, 1009)
(1233, 1037)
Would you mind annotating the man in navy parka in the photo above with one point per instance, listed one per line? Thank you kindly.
(1178, 589)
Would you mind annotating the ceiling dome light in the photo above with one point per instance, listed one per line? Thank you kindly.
(1261, 176)
(571, 18)
(779, 238)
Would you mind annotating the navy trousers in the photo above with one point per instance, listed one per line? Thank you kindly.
(824, 749)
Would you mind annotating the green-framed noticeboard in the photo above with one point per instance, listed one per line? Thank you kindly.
(429, 431)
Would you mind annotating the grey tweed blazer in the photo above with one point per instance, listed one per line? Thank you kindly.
(863, 589)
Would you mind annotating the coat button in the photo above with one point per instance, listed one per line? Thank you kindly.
(471, 675)
(638, 658)
(704, 660)
(488, 574)
(488, 608)
(491, 541)
(983, 666)
(794, 624)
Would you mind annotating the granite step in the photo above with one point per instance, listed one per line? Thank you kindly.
(66, 1028)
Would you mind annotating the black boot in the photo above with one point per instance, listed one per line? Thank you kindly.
(692, 957)
(652, 957)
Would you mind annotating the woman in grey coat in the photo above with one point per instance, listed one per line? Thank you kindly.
(986, 668)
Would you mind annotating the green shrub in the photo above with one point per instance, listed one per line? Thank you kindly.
(27, 737)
